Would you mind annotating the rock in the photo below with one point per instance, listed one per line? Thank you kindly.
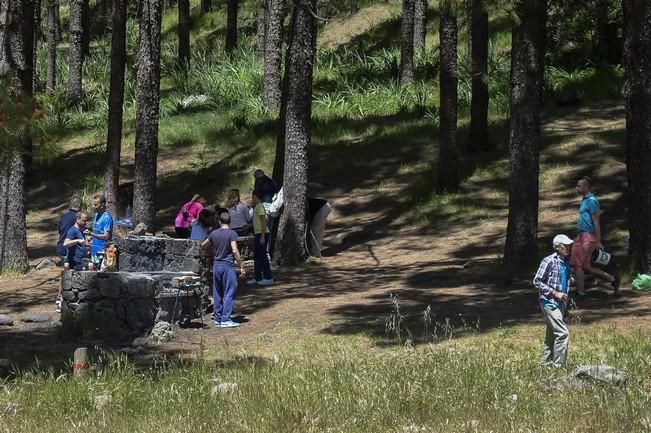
(141, 286)
(45, 264)
(298, 323)
(88, 295)
(162, 332)
(267, 336)
(140, 230)
(600, 373)
(101, 401)
(6, 320)
(109, 287)
(140, 341)
(223, 388)
(36, 317)
(69, 295)
(82, 312)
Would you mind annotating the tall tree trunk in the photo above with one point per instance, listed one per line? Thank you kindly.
(51, 36)
(527, 74)
(637, 59)
(478, 134)
(231, 26)
(272, 54)
(407, 43)
(58, 31)
(38, 35)
(147, 113)
(76, 58)
(290, 246)
(13, 233)
(116, 100)
(27, 74)
(85, 27)
(206, 6)
(420, 25)
(448, 176)
(184, 33)
(261, 30)
(354, 6)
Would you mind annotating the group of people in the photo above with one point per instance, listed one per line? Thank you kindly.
(75, 239)
(554, 273)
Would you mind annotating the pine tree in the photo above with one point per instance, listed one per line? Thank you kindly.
(527, 73)
(407, 43)
(478, 133)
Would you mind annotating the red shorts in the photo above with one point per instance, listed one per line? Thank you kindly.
(582, 249)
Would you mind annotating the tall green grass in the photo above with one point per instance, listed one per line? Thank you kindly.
(488, 382)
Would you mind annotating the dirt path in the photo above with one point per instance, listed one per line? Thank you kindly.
(450, 266)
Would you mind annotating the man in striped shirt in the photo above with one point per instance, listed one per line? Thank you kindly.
(552, 281)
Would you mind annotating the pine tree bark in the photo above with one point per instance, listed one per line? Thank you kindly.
(527, 74)
(147, 114)
(290, 245)
(407, 43)
(420, 25)
(38, 35)
(448, 177)
(478, 133)
(261, 30)
(206, 6)
(184, 33)
(58, 30)
(116, 100)
(27, 75)
(272, 54)
(231, 26)
(354, 6)
(85, 28)
(637, 60)
(51, 37)
(13, 232)
(76, 58)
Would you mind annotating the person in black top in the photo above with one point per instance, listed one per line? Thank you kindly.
(67, 221)
(265, 185)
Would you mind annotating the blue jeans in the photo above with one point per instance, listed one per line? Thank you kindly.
(261, 266)
(224, 288)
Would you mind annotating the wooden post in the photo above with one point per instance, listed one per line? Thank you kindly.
(80, 363)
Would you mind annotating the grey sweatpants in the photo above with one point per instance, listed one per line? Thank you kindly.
(557, 338)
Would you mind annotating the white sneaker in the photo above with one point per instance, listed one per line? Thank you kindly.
(252, 281)
(264, 282)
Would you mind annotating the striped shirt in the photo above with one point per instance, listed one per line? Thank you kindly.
(553, 275)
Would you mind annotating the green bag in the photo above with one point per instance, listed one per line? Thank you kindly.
(642, 283)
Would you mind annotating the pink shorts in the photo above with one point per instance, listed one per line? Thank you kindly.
(582, 249)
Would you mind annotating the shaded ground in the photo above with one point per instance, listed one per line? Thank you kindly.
(450, 262)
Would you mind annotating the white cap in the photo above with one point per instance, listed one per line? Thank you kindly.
(561, 240)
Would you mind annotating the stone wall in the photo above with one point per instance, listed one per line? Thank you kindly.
(112, 305)
(123, 305)
(155, 254)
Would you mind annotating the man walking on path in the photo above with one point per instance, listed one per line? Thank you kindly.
(588, 238)
(67, 221)
(224, 281)
(552, 281)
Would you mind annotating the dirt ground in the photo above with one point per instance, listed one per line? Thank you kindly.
(452, 267)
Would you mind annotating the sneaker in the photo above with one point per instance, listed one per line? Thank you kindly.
(218, 324)
(229, 324)
(252, 282)
(264, 282)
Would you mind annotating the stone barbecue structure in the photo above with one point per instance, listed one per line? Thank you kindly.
(158, 279)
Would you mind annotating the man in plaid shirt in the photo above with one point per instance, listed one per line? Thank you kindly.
(552, 281)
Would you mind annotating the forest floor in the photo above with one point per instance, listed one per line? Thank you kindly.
(384, 238)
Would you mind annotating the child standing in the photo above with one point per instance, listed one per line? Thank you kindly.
(261, 267)
(552, 281)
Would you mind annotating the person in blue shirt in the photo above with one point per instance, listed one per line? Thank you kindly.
(75, 241)
(552, 281)
(67, 221)
(102, 230)
(589, 238)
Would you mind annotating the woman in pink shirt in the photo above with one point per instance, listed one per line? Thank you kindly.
(188, 213)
